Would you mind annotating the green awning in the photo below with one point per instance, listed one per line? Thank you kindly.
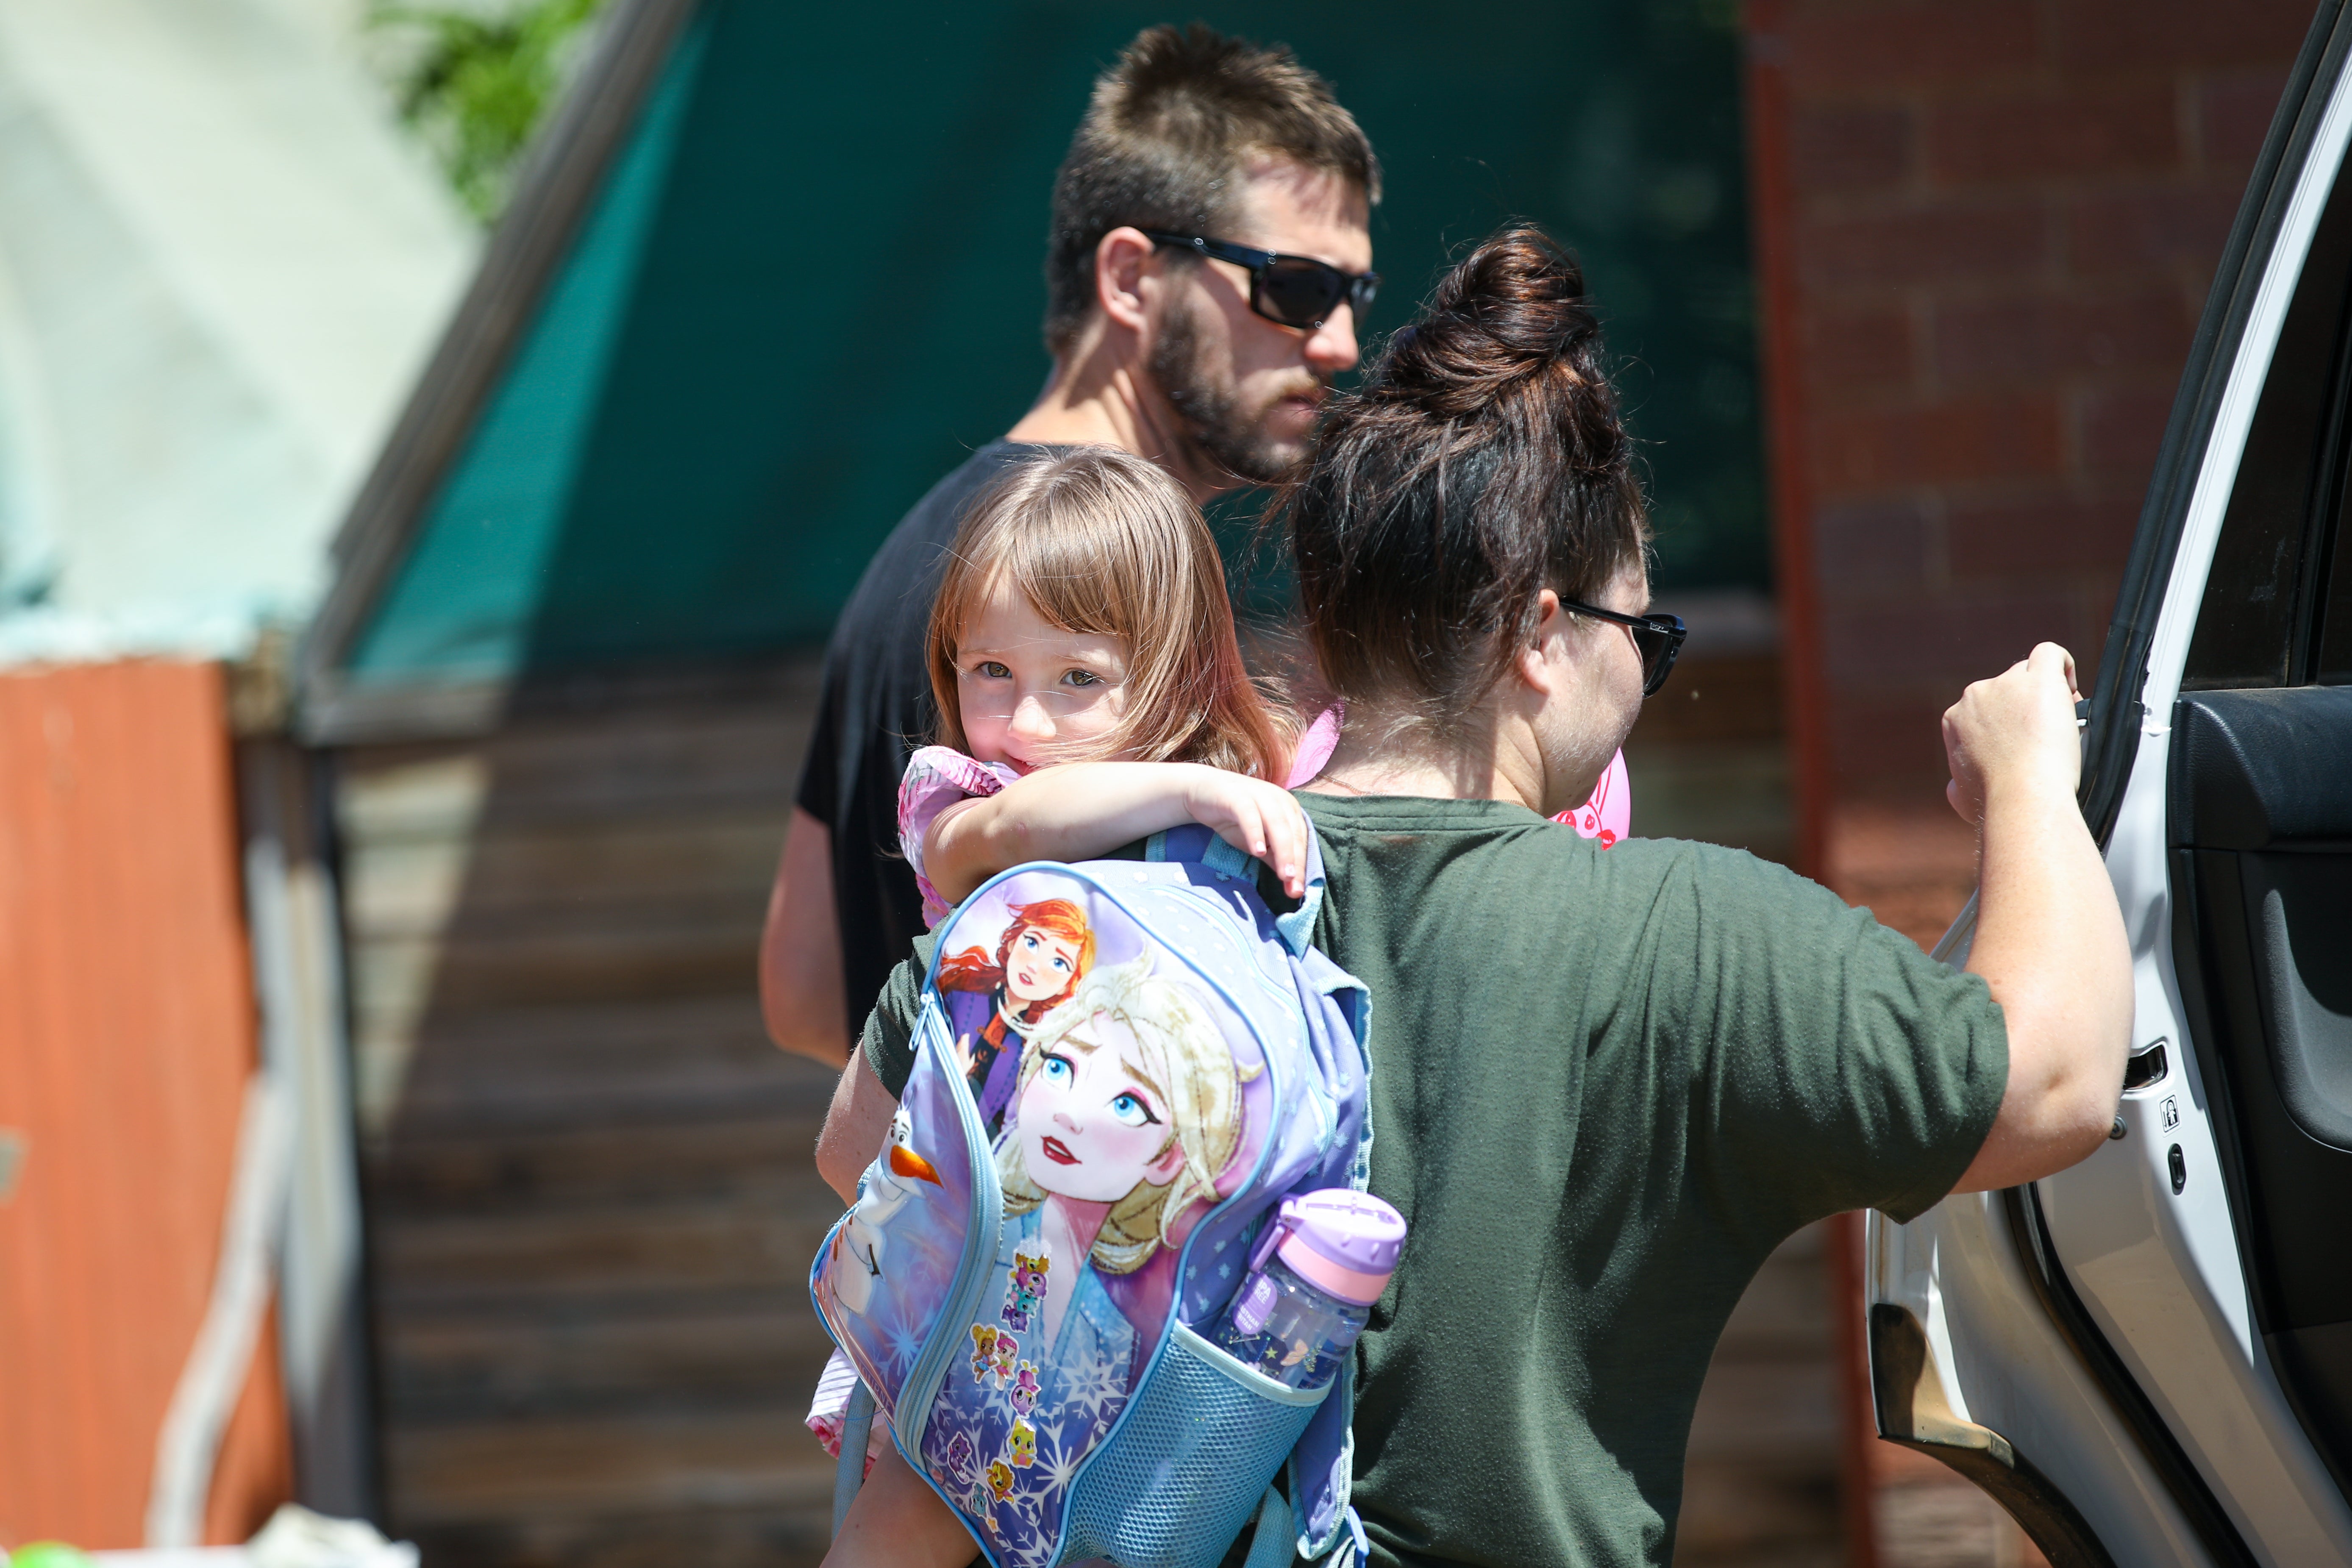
(779, 267)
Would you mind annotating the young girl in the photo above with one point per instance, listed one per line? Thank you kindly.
(1082, 620)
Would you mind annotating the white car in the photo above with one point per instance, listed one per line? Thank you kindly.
(2148, 1359)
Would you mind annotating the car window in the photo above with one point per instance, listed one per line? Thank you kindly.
(2264, 620)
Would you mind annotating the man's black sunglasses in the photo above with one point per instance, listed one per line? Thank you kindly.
(1658, 639)
(1293, 291)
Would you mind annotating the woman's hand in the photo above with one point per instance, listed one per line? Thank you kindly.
(899, 1521)
(1254, 816)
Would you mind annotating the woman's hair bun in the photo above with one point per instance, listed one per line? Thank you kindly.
(1482, 461)
(1513, 308)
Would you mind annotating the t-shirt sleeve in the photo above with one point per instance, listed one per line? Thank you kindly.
(1834, 1063)
(888, 1041)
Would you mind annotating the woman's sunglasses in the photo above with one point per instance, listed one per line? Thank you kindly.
(1293, 290)
(1657, 638)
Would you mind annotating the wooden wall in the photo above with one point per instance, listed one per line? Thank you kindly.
(126, 1039)
(590, 1201)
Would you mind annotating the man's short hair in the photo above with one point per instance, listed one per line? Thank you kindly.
(1164, 142)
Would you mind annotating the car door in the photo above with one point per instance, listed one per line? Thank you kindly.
(2148, 1359)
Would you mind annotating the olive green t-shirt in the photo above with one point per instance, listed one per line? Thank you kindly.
(1605, 1086)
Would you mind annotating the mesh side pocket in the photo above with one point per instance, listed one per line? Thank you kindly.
(1193, 1457)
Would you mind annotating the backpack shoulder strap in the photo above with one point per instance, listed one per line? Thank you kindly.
(1197, 843)
(1276, 1542)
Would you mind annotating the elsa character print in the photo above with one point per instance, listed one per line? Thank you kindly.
(993, 1007)
(1128, 1107)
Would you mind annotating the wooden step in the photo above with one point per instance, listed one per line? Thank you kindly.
(755, 1162)
(484, 1471)
(721, 1350)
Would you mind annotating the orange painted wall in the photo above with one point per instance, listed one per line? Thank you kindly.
(126, 1035)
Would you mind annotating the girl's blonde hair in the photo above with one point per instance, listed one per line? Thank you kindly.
(1104, 543)
(1190, 1060)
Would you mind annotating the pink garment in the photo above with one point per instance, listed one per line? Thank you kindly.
(936, 778)
(829, 1412)
(1608, 815)
(1315, 747)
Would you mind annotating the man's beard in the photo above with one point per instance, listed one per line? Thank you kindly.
(1234, 438)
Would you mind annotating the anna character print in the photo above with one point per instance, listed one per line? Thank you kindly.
(993, 1007)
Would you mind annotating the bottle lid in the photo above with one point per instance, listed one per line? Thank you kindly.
(1343, 1242)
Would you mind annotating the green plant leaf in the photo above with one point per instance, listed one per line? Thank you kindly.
(474, 84)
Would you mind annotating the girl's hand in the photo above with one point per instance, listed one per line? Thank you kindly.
(1254, 816)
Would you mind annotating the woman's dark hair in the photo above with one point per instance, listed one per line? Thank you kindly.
(1481, 462)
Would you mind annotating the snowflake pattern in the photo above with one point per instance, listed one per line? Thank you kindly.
(905, 1344)
(1021, 1437)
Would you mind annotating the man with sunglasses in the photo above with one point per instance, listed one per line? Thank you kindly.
(1207, 273)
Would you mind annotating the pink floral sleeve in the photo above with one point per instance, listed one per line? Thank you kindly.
(936, 778)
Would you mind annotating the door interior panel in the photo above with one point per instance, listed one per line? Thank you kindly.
(2262, 825)
(2305, 903)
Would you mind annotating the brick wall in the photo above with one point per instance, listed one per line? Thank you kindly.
(1988, 229)
(1984, 235)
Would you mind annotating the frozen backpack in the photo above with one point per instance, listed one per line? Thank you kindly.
(1121, 1067)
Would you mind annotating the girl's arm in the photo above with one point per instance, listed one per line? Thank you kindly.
(1083, 809)
(898, 1521)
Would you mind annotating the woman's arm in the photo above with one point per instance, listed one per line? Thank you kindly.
(1081, 810)
(899, 1522)
(2049, 940)
(855, 1126)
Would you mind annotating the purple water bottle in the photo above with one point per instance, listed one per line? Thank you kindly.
(1312, 1281)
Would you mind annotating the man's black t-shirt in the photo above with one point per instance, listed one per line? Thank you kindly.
(876, 709)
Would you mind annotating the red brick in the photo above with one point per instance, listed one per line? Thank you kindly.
(1949, 242)
(1980, 439)
(1897, 742)
(1851, 148)
(2030, 340)
(2121, 432)
(1876, 46)
(2050, 135)
(2233, 115)
(2099, 594)
(1851, 355)
(2159, 230)
(1940, 644)
(1868, 547)
(1893, 646)
(2032, 537)
(2101, 35)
